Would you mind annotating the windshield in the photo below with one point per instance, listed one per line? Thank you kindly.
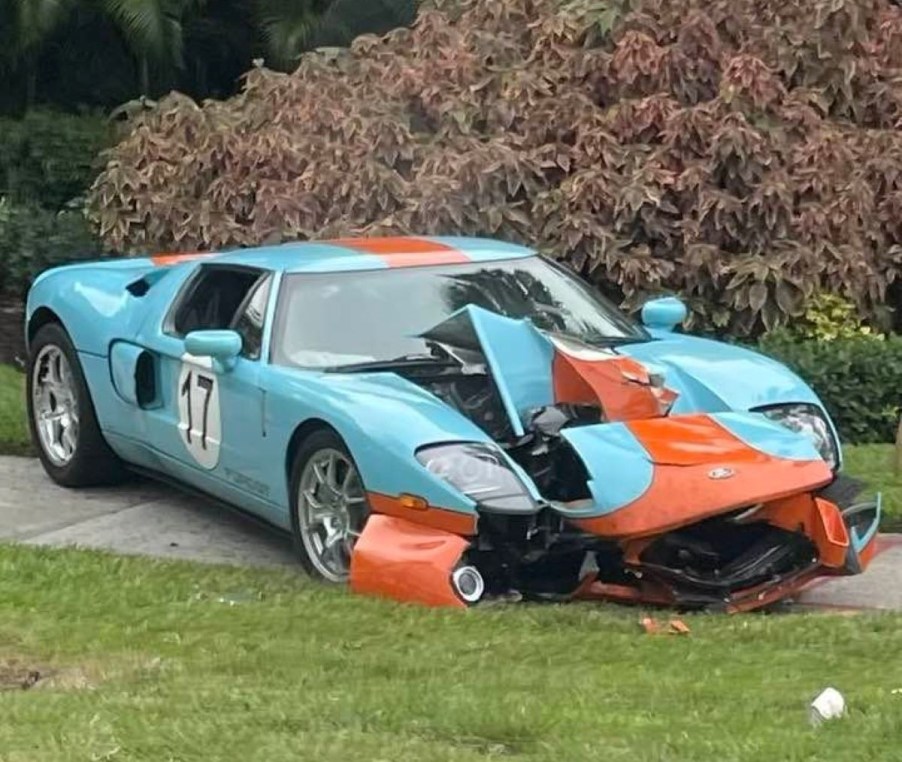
(334, 319)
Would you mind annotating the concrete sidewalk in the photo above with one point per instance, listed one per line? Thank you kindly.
(143, 518)
(146, 518)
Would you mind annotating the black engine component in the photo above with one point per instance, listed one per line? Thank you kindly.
(715, 557)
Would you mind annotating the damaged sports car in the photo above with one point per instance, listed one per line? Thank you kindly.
(448, 421)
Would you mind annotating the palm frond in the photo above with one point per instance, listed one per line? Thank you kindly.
(34, 20)
(286, 27)
(346, 19)
(153, 28)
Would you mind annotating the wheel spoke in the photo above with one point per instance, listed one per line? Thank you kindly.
(316, 511)
(67, 440)
(55, 404)
(320, 473)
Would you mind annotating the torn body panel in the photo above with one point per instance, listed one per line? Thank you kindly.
(396, 558)
(631, 504)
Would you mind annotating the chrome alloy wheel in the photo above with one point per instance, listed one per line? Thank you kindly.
(55, 405)
(331, 512)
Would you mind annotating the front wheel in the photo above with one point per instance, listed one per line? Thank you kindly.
(61, 415)
(328, 506)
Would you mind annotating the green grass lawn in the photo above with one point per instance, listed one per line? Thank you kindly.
(148, 661)
(874, 464)
(13, 429)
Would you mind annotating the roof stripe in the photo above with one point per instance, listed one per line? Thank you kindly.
(404, 251)
(166, 260)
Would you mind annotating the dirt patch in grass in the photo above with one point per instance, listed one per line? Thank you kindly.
(21, 677)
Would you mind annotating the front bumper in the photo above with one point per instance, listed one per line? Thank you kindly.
(742, 560)
(794, 540)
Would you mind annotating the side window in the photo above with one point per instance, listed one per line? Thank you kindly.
(213, 299)
(251, 317)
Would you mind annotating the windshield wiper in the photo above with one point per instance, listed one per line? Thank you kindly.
(404, 361)
(601, 341)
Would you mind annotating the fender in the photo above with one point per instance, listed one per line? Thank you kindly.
(369, 408)
(93, 300)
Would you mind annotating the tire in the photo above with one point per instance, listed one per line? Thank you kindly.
(82, 457)
(311, 537)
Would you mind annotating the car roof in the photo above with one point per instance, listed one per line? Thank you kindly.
(361, 254)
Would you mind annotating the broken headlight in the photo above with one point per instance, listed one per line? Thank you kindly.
(481, 472)
(810, 421)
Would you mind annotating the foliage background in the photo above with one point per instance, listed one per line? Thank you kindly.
(856, 377)
(743, 153)
(47, 161)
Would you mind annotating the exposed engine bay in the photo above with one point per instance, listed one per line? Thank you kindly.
(556, 470)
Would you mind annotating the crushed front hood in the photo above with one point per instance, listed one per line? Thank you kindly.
(533, 370)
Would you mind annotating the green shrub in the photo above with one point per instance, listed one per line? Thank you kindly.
(858, 378)
(50, 158)
(33, 238)
(831, 316)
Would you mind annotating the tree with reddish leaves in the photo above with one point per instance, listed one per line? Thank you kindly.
(742, 153)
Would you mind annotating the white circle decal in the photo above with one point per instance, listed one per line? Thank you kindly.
(200, 421)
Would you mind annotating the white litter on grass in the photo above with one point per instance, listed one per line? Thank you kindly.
(829, 705)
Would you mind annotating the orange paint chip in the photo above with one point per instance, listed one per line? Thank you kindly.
(679, 627)
(650, 625)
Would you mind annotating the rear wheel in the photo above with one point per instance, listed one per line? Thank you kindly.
(61, 415)
(329, 507)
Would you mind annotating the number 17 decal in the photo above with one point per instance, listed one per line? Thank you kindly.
(200, 421)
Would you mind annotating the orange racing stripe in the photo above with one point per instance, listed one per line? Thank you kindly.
(404, 251)
(684, 451)
(167, 260)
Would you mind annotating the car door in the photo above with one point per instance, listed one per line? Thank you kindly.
(208, 420)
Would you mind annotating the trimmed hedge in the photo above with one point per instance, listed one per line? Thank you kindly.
(858, 378)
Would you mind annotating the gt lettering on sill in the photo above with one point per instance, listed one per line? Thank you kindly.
(200, 417)
(246, 483)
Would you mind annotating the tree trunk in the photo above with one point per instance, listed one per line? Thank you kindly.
(145, 76)
(31, 82)
(899, 448)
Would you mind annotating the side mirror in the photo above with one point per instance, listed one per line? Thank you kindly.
(664, 314)
(224, 346)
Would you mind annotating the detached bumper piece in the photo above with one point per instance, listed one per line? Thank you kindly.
(744, 560)
(395, 558)
(738, 561)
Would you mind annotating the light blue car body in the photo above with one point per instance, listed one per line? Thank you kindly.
(383, 418)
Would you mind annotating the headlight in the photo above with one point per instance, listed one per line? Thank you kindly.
(810, 421)
(481, 473)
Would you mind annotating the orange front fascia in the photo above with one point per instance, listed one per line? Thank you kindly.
(619, 385)
(394, 558)
(656, 593)
(405, 252)
(818, 519)
(682, 490)
(681, 495)
(428, 515)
